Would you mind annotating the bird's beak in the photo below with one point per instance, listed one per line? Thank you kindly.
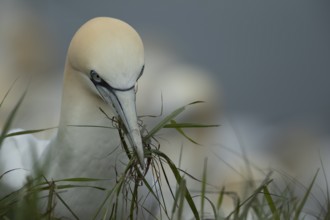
(124, 104)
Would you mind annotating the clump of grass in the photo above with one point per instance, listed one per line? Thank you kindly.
(263, 202)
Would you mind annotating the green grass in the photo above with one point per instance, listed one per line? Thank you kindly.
(263, 200)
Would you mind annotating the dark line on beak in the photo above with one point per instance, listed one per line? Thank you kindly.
(112, 91)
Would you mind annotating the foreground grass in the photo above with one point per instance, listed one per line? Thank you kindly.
(262, 200)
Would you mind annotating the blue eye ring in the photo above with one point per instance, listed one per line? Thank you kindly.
(95, 77)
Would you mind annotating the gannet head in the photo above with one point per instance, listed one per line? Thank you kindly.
(111, 54)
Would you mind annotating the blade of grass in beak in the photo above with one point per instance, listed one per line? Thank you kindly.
(134, 201)
(179, 126)
(182, 133)
(151, 191)
(166, 120)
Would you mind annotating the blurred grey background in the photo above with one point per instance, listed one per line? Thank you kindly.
(271, 58)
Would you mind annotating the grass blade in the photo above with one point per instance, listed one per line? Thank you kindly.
(66, 206)
(182, 190)
(8, 171)
(166, 120)
(189, 125)
(220, 199)
(179, 180)
(183, 134)
(215, 215)
(80, 179)
(28, 132)
(8, 91)
(10, 119)
(271, 204)
(203, 188)
(302, 203)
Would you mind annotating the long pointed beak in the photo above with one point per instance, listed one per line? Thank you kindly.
(124, 104)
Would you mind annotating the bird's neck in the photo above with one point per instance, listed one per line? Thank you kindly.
(85, 133)
(80, 111)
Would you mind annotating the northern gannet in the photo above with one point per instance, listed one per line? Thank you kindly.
(104, 61)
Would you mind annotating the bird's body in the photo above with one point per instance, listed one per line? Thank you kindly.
(18, 154)
(84, 152)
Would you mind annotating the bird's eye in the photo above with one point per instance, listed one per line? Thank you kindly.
(95, 77)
